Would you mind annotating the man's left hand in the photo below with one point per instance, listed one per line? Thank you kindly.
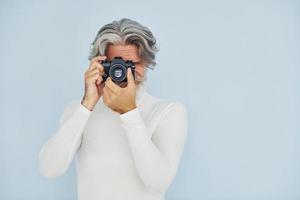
(120, 99)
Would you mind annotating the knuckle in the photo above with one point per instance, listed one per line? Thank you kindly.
(94, 62)
(96, 76)
(101, 68)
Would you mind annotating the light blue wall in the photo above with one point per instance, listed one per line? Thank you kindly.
(234, 64)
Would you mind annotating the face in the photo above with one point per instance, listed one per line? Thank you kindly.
(127, 52)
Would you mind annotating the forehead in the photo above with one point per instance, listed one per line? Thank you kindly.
(126, 51)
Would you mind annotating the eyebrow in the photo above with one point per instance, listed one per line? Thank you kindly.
(136, 62)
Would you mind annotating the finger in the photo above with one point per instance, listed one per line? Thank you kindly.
(98, 58)
(109, 93)
(130, 78)
(110, 84)
(93, 78)
(106, 96)
(95, 70)
(101, 81)
(109, 90)
(92, 73)
(94, 65)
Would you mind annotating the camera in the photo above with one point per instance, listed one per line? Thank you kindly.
(117, 69)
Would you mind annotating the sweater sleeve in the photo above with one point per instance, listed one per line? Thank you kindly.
(157, 158)
(58, 152)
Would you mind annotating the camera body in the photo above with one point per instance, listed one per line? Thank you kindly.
(117, 69)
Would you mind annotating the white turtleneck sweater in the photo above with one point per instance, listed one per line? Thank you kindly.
(130, 156)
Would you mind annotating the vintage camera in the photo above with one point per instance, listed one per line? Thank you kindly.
(117, 69)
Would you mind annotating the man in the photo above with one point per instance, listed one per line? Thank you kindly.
(127, 144)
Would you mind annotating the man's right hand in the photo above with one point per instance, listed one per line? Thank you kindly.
(93, 86)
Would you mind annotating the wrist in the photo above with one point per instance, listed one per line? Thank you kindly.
(87, 104)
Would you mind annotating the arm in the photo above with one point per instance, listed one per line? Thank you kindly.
(58, 152)
(157, 159)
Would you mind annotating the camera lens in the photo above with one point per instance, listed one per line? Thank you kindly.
(117, 72)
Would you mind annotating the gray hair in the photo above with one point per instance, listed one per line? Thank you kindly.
(126, 31)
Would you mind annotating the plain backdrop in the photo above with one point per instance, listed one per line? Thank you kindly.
(234, 64)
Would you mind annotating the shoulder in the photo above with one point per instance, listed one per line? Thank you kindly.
(72, 105)
(174, 111)
(69, 108)
(170, 118)
(166, 108)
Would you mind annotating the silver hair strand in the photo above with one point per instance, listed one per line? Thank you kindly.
(126, 31)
